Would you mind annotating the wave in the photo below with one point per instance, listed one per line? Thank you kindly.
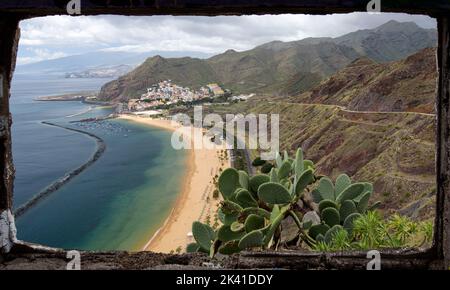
(101, 147)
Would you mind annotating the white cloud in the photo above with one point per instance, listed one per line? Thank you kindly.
(39, 54)
(74, 35)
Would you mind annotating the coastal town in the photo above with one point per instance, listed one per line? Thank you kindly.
(166, 93)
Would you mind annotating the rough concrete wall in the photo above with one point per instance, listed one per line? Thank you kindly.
(207, 7)
(22, 257)
(8, 231)
(442, 224)
(8, 48)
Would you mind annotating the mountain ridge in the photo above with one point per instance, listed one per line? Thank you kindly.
(276, 67)
(365, 85)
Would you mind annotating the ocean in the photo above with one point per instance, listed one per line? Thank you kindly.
(115, 204)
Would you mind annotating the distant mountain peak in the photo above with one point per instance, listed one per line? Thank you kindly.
(391, 22)
(230, 51)
(395, 26)
(156, 59)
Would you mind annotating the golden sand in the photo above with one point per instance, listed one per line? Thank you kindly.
(195, 202)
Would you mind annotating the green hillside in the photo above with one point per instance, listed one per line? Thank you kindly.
(279, 68)
(190, 72)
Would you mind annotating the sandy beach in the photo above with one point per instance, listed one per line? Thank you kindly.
(196, 201)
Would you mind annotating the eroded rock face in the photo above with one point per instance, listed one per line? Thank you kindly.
(8, 232)
(365, 85)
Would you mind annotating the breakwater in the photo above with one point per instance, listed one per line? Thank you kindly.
(101, 147)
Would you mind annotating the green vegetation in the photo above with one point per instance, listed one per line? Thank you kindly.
(266, 168)
(370, 231)
(253, 208)
(258, 162)
(339, 206)
(339, 218)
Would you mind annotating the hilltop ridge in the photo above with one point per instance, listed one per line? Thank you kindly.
(282, 68)
(365, 85)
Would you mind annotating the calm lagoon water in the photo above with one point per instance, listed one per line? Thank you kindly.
(119, 201)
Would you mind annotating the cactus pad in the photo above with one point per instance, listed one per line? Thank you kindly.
(331, 216)
(228, 182)
(274, 193)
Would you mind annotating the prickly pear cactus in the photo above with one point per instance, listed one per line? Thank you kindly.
(254, 207)
(339, 205)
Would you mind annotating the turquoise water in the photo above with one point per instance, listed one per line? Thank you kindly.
(115, 204)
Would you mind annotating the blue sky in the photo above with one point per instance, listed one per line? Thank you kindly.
(58, 36)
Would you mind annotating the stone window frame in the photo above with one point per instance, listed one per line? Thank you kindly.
(436, 257)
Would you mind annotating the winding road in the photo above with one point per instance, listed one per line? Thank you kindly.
(344, 109)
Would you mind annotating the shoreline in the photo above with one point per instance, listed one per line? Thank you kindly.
(178, 205)
(195, 200)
